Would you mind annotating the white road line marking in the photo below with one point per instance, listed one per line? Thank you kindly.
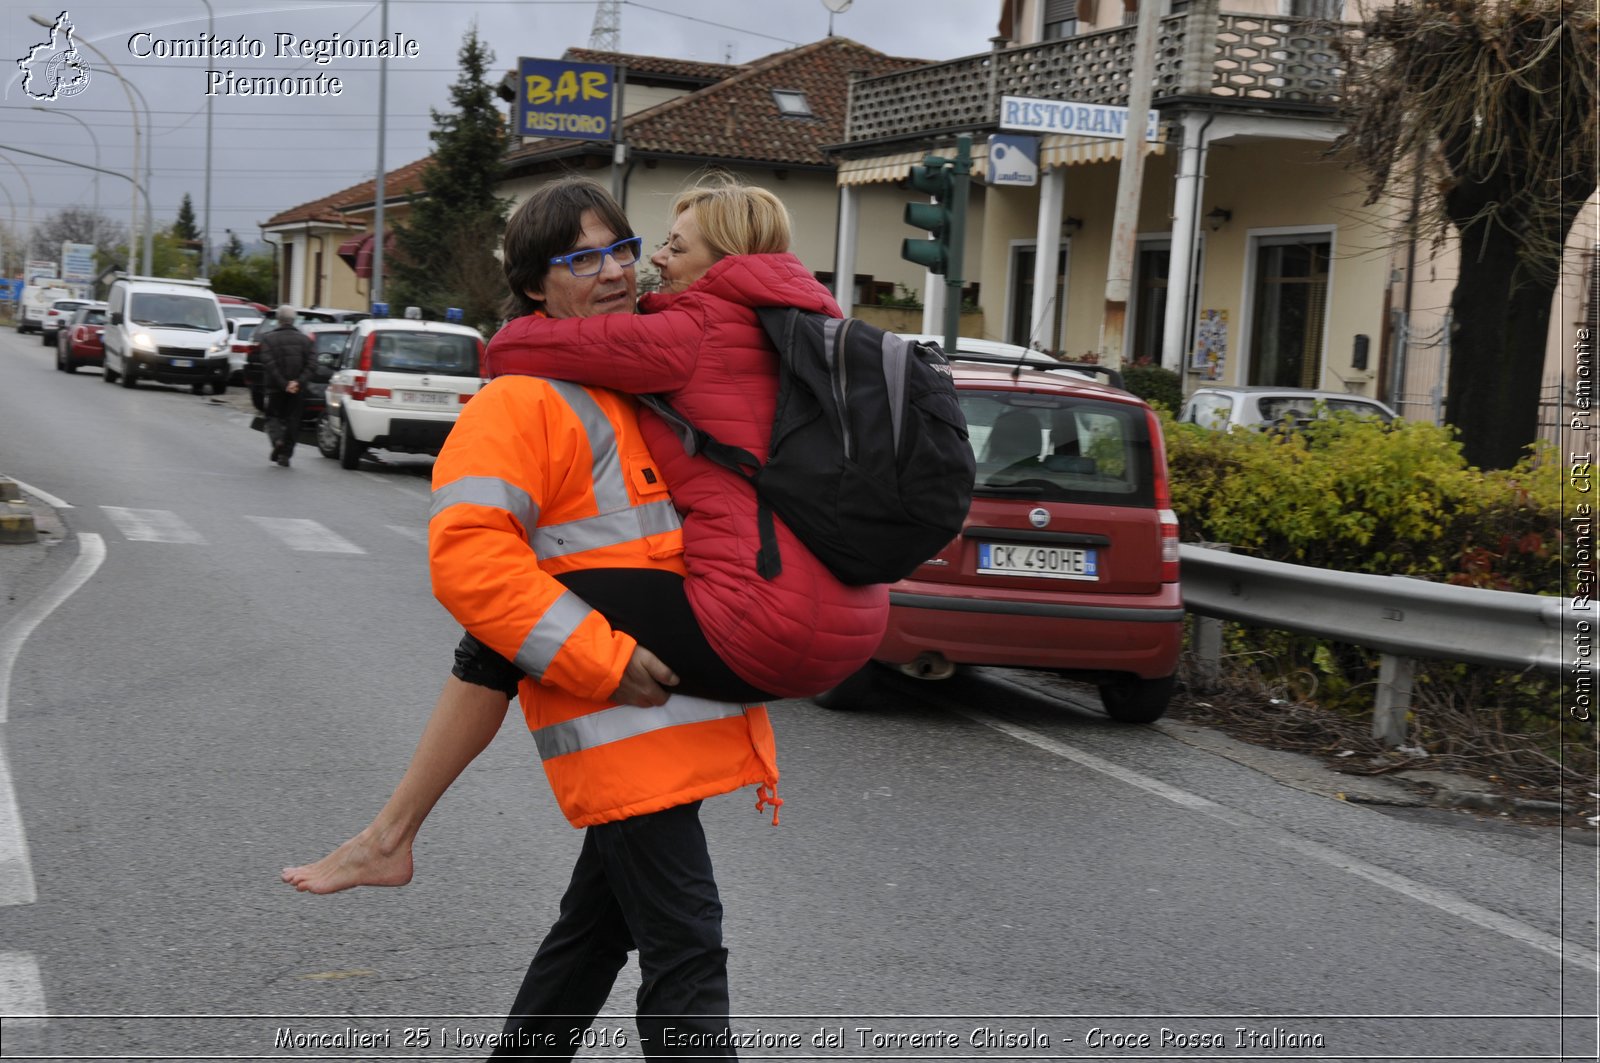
(415, 534)
(91, 552)
(21, 990)
(152, 525)
(16, 870)
(1256, 828)
(44, 496)
(307, 535)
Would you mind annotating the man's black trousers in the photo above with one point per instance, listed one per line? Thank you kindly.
(644, 883)
(282, 416)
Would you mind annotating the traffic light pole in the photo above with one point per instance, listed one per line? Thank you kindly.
(960, 184)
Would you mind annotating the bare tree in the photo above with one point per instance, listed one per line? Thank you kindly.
(79, 225)
(1495, 101)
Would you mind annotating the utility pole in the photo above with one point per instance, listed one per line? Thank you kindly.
(1125, 221)
(375, 283)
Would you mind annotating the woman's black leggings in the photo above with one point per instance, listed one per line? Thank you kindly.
(649, 605)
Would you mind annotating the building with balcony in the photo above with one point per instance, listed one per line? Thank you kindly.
(1254, 259)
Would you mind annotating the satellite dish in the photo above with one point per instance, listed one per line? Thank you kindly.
(835, 7)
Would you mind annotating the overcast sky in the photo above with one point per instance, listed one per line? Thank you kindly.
(271, 152)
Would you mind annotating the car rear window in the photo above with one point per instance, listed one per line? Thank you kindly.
(329, 342)
(97, 316)
(425, 352)
(1060, 448)
(1208, 409)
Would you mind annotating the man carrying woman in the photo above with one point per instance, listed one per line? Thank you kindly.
(554, 542)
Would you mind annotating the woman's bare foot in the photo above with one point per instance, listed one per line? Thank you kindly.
(361, 861)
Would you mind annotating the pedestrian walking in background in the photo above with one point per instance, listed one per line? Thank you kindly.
(287, 357)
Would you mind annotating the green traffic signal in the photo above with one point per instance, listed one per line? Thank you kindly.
(934, 178)
(929, 254)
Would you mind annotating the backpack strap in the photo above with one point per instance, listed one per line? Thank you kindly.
(738, 460)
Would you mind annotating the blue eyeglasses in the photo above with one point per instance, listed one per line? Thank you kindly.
(589, 263)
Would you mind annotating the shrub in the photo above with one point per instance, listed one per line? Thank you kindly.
(1157, 386)
(1358, 496)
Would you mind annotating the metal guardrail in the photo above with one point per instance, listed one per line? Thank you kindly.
(1403, 618)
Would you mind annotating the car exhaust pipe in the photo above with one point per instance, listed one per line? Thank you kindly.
(929, 665)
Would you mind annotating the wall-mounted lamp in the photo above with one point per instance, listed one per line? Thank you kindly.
(1218, 217)
(1071, 226)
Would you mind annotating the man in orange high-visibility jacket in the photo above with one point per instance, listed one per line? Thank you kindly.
(543, 489)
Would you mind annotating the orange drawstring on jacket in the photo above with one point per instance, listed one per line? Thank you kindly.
(767, 794)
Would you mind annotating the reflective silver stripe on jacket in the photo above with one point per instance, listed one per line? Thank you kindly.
(607, 529)
(628, 721)
(485, 491)
(551, 633)
(619, 521)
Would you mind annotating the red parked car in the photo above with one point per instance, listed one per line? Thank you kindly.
(1068, 559)
(262, 310)
(78, 341)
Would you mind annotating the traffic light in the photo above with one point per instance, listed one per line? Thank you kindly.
(936, 178)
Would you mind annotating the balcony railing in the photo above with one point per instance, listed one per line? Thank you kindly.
(1246, 57)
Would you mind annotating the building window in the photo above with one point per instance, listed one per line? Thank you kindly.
(792, 103)
(1331, 10)
(1149, 308)
(1290, 312)
(1023, 257)
(1060, 19)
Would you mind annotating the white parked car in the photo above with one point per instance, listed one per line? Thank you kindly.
(1258, 407)
(400, 385)
(167, 330)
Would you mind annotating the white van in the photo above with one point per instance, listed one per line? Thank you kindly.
(168, 330)
(36, 301)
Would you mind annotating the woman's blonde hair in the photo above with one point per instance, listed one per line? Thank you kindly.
(737, 219)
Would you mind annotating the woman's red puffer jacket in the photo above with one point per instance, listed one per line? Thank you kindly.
(704, 348)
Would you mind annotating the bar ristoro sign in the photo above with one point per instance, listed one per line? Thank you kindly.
(569, 101)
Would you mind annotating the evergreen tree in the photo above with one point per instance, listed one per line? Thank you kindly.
(233, 250)
(444, 250)
(185, 228)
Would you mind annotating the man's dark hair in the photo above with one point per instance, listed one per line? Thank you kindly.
(546, 225)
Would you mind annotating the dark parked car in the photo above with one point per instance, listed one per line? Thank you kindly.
(1068, 560)
(78, 341)
(327, 339)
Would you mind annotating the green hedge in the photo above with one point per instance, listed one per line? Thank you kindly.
(1357, 496)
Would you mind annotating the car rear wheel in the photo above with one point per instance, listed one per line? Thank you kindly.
(198, 389)
(219, 387)
(45, 339)
(350, 448)
(1137, 700)
(61, 360)
(854, 693)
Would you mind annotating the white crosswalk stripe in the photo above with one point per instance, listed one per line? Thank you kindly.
(152, 525)
(307, 535)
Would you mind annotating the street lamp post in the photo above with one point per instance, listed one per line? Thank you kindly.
(95, 237)
(128, 88)
(205, 231)
(27, 246)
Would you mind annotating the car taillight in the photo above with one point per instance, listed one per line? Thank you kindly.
(358, 384)
(1163, 499)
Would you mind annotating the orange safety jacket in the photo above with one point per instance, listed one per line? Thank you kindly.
(540, 477)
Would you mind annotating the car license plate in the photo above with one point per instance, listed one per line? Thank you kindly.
(426, 398)
(183, 363)
(1050, 562)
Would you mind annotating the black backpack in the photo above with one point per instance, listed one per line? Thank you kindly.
(869, 463)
